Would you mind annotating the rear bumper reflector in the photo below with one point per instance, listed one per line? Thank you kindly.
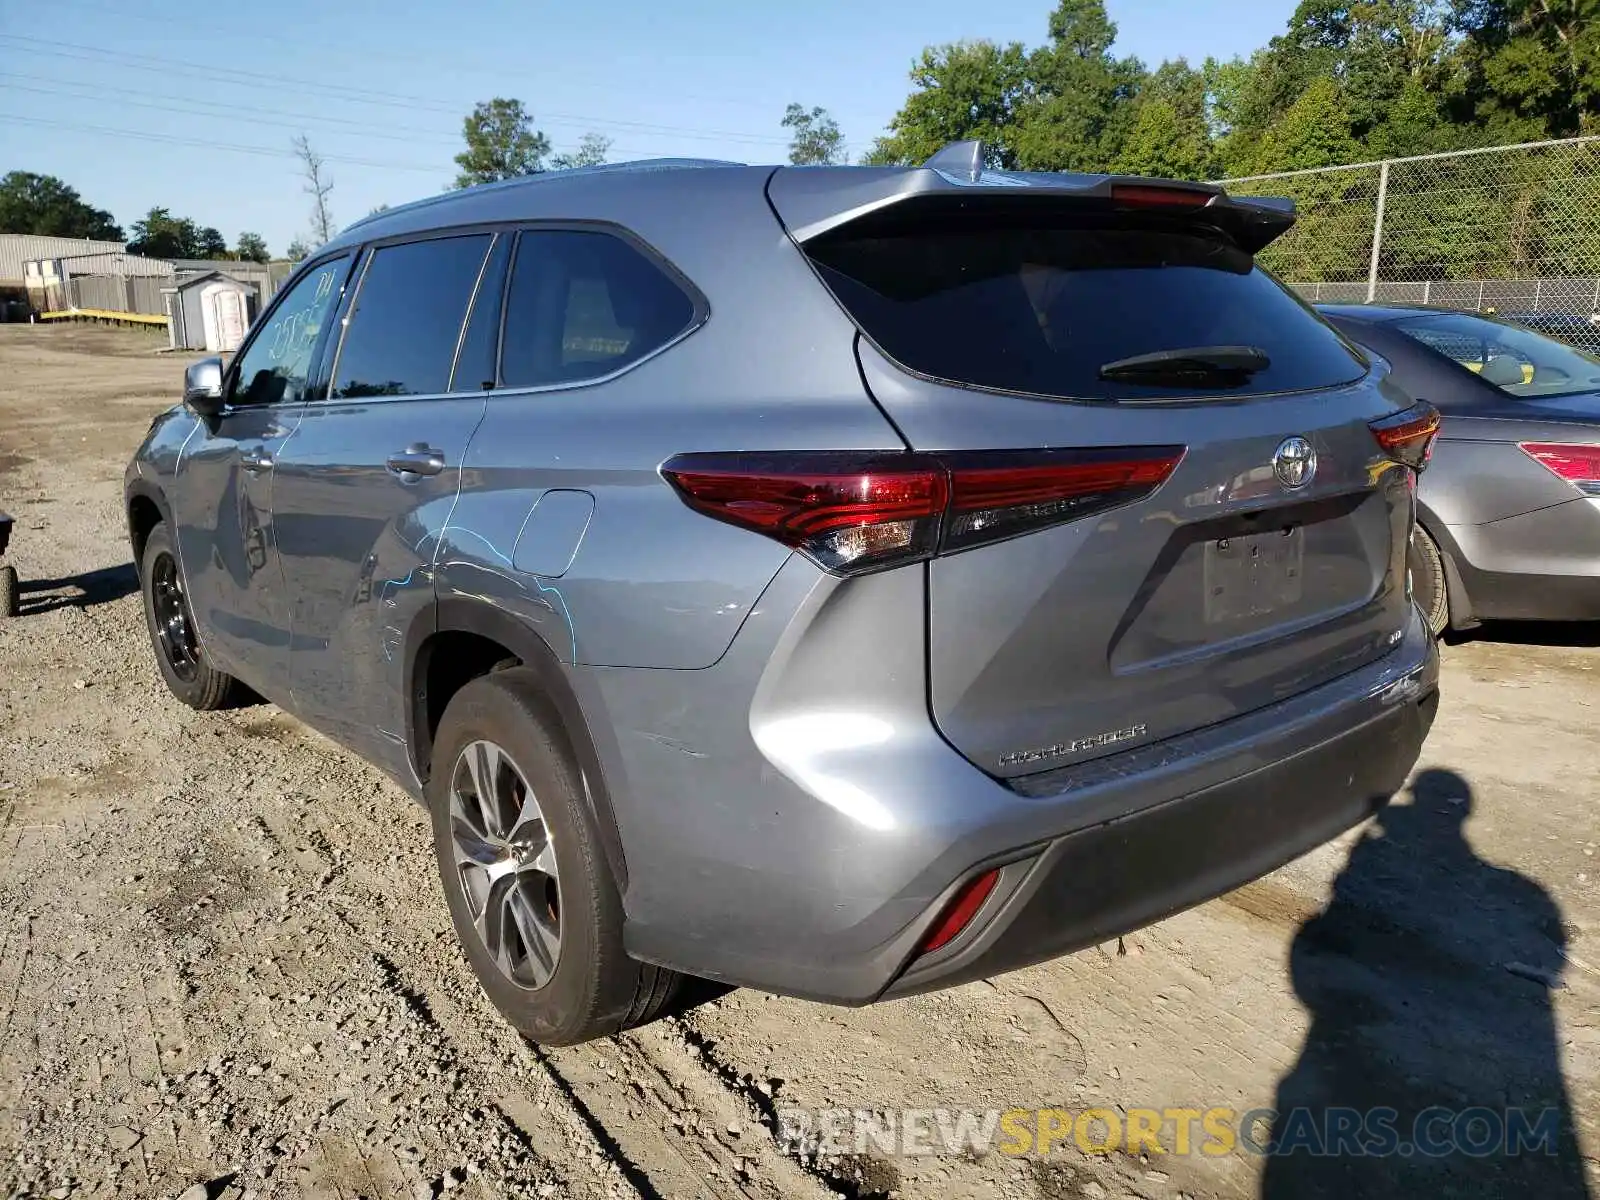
(958, 914)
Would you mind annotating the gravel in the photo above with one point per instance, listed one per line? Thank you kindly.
(225, 968)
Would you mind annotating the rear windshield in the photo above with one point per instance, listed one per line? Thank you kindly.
(1045, 307)
(1517, 361)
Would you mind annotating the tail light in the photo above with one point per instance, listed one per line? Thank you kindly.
(958, 914)
(1143, 195)
(1407, 437)
(856, 511)
(1576, 462)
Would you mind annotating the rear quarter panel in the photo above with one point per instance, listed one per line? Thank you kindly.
(652, 584)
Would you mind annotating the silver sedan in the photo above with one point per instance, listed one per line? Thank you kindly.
(1509, 508)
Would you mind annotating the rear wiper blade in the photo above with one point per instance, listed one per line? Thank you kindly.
(1215, 364)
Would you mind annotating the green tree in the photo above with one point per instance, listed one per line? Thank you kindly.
(591, 152)
(815, 138)
(1164, 142)
(1371, 48)
(501, 143)
(1067, 105)
(1080, 108)
(1413, 125)
(297, 250)
(209, 243)
(1226, 83)
(1315, 132)
(159, 234)
(1530, 68)
(252, 247)
(43, 204)
(1333, 234)
(1171, 133)
(962, 91)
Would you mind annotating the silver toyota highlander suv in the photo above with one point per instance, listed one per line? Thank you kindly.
(838, 581)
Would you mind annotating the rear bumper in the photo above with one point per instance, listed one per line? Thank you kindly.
(804, 841)
(1100, 882)
(1538, 566)
(1498, 597)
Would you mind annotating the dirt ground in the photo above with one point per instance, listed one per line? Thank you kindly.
(225, 961)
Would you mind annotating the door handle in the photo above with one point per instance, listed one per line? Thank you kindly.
(256, 461)
(417, 459)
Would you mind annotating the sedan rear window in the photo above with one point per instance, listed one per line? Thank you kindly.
(1517, 361)
(1093, 307)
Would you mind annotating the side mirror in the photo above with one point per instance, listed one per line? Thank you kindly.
(202, 387)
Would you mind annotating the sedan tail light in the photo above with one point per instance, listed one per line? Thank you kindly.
(1407, 437)
(1576, 462)
(854, 511)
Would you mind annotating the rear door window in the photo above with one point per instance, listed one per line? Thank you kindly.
(1043, 305)
(583, 305)
(406, 320)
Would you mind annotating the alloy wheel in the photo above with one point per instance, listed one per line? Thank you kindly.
(506, 861)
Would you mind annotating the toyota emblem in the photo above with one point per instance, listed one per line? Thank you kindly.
(1294, 462)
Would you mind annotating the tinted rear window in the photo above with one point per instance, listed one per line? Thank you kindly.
(1040, 308)
(583, 305)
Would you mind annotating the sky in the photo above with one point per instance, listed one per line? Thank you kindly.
(137, 107)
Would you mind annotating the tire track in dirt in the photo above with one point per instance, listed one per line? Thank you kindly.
(653, 1155)
(293, 1006)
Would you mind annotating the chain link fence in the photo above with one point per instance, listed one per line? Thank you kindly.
(1512, 229)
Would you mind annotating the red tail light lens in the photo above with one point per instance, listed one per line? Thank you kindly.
(1577, 463)
(1001, 494)
(1407, 437)
(847, 511)
(1138, 195)
(858, 511)
(958, 914)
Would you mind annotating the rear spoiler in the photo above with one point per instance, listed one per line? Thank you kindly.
(818, 200)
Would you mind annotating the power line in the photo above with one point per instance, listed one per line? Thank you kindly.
(349, 94)
(298, 124)
(206, 144)
(256, 116)
(455, 66)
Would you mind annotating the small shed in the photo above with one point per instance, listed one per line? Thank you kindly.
(209, 311)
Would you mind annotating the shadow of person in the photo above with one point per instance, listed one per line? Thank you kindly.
(79, 591)
(1428, 980)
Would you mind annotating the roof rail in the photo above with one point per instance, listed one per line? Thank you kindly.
(960, 158)
(635, 165)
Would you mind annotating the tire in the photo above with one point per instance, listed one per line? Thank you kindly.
(531, 897)
(1429, 587)
(10, 596)
(188, 675)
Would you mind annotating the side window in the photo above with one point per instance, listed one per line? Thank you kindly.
(582, 305)
(401, 334)
(276, 367)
